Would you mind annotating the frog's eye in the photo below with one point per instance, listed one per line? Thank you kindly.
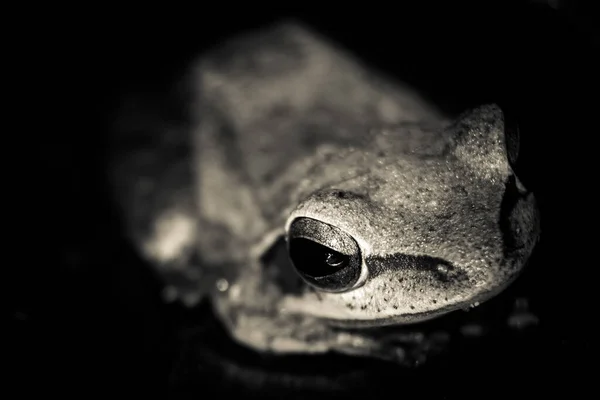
(323, 255)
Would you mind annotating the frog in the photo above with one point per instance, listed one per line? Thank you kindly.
(312, 200)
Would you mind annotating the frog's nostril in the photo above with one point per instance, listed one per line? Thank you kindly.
(324, 256)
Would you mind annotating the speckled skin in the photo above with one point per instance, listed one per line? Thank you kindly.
(285, 125)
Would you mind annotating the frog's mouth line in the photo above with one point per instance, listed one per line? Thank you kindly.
(412, 320)
(419, 319)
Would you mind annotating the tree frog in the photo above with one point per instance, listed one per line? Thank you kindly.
(313, 200)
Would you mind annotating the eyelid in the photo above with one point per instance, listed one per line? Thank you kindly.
(324, 234)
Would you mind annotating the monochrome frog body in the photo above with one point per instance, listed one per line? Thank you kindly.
(307, 196)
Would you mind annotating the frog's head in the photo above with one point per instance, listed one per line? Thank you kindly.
(419, 235)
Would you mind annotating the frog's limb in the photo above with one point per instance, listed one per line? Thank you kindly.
(255, 316)
(152, 176)
(284, 333)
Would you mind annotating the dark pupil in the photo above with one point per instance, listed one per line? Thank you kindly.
(316, 260)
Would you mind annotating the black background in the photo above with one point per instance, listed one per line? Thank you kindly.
(87, 317)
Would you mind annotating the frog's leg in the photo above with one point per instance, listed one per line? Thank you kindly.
(151, 173)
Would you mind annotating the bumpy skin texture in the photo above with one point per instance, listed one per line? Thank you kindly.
(283, 126)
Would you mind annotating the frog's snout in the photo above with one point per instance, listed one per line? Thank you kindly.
(324, 256)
